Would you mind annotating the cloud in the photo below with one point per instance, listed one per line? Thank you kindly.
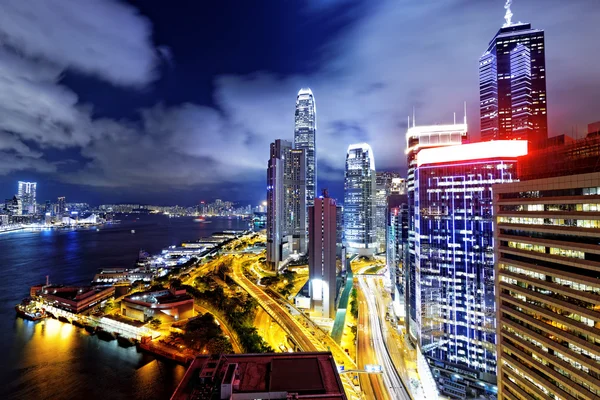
(400, 54)
(107, 39)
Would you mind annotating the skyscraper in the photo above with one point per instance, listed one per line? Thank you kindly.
(454, 259)
(397, 244)
(27, 194)
(61, 206)
(547, 275)
(512, 85)
(383, 187)
(305, 132)
(322, 230)
(359, 200)
(286, 202)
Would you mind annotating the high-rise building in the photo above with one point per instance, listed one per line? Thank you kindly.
(305, 132)
(547, 275)
(454, 260)
(27, 194)
(322, 230)
(13, 206)
(397, 244)
(359, 200)
(61, 206)
(512, 85)
(286, 202)
(398, 186)
(417, 139)
(383, 187)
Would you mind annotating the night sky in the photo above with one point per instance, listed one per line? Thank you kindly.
(176, 102)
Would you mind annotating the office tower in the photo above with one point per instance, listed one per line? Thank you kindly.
(27, 195)
(286, 197)
(13, 206)
(339, 239)
(383, 187)
(359, 200)
(397, 244)
(454, 260)
(305, 132)
(512, 85)
(547, 275)
(61, 206)
(322, 229)
(418, 138)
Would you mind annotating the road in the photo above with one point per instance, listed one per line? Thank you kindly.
(377, 333)
(372, 385)
(237, 348)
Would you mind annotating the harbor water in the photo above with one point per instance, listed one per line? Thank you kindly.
(49, 359)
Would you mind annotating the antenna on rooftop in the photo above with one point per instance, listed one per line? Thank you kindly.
(413, 116)
(465, 117)
(508, 16)
(454, 117)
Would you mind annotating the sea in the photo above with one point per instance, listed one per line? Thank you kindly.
(49, 359)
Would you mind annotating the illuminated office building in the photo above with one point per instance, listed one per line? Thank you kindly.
(322, 232)
(27, 194)
(512, 85)
(454, 260)
(397, 245)
(305, 132)
(359, 201)
(383, 188)
(286, 203)
(548, 275)
(417, 139)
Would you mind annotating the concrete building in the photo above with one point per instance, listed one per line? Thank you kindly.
(397, 246)
(286, 203)
(74, 299)
(321, 256)
(169, 305)
(261, 376)
(454, 261)
(512, 85)
(27, 194)
(359, 201)
(547, 275)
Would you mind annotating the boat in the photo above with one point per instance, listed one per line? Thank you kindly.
(104, 335)
(125, 342)
(89, 328)
(28, 310)
(64, 319)
(77, 323)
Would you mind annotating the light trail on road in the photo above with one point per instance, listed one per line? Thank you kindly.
(394, 384)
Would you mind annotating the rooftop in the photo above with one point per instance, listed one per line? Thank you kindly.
(164, 296)
(310, 375)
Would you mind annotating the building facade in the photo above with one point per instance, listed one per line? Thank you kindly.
(359, 201)
(305, 138)
(286, 202)
(548, 275)
(397, 245)
(322, 232)
(417, 139)
(454, 260)
(512, 84)
(383, 188)
(27, 194)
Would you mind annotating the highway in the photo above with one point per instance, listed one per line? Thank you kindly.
(393, 382)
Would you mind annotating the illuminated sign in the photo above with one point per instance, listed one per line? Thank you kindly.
(375, 368)
(473, 151)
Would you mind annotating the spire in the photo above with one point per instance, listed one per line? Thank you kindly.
(413, 116)
(509, 14)
(465, 118)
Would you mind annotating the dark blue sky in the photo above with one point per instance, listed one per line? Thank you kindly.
(111, 101)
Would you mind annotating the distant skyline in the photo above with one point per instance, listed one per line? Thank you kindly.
(116, 101)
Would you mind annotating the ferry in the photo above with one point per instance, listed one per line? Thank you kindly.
(30, 311)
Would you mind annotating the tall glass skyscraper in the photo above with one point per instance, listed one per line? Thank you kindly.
(359, 200)
(512, 85)
(383, 183)
(305, 132)
(454, 260)
(27, 194)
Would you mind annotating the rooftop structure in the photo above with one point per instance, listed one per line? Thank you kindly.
(74, 299)
(262, 376)
(169, 304)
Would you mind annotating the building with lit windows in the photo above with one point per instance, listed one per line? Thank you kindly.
(27, 194)
(359, 201)
(322, 234)
(383, 188)
(305, 134)
(286, 202)
(454, 261)
(512, 85)
(419, 138)
(548, 275)
(397, 246)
